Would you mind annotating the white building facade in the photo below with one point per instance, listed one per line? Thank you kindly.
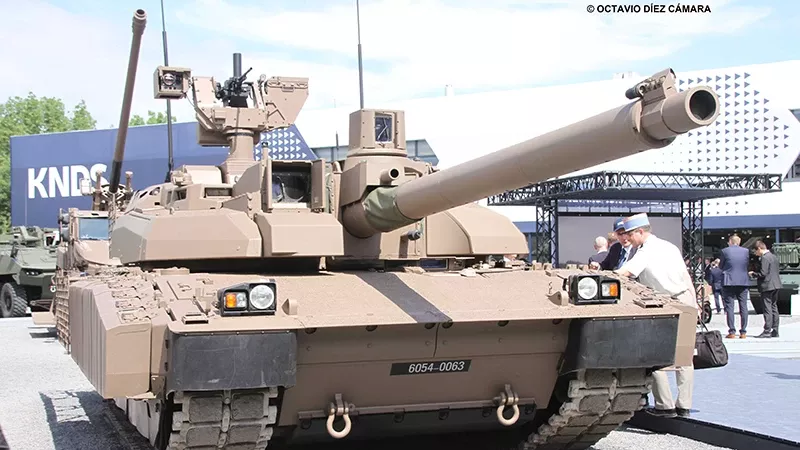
(758, 131)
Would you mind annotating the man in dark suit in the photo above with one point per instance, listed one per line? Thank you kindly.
(769, 284)
(715, 278)
(734, 261)
(619, 252)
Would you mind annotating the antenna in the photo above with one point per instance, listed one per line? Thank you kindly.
(170, 161)
(360, 69)
(336, 152)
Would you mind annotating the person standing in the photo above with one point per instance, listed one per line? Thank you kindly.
(659, 265)
(715, 277)
(734, 260)
(620, 252)
(769, 284)
(601, 249)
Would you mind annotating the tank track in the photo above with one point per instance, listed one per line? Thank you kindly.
(229, 420)
(598, 402)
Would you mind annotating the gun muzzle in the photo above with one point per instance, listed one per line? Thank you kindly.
(139, 21)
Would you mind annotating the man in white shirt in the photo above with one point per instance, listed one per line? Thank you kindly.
(659, 265)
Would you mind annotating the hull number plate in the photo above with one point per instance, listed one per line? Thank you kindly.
(419, 368)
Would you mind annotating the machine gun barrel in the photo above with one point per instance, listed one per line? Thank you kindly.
(139, 22)
(237, 65)
(652, 121)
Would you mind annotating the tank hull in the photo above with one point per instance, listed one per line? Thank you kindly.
(387, 344)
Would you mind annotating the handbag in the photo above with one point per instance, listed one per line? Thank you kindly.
(709, 350)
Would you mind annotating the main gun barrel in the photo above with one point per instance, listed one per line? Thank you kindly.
(653, 121)
(139, 22)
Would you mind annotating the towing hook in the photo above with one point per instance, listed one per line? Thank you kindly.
(507, 398)
(339, 408)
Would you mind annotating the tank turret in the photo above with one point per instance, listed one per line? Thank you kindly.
(377, 204)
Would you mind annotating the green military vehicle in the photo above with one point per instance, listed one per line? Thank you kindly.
(27, 265)
(788, 254)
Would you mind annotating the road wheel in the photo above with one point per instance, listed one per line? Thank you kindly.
(13, 300)
(706, 312)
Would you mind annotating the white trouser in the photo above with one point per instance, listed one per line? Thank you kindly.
(684, 377)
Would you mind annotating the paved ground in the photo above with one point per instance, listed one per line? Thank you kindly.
(46, 402)
(787, 346)
(751, 393)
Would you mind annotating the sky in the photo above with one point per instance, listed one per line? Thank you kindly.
(78, 49)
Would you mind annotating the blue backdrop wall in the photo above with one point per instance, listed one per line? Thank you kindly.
(46, 169)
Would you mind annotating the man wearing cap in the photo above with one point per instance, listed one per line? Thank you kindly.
(620, 252)
(659, 265)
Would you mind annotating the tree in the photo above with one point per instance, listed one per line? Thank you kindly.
(152, 119)
(32, 115)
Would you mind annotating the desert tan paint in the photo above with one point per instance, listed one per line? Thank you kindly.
(375, 207)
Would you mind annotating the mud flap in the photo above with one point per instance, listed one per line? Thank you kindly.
(621, 343)
(211, 362)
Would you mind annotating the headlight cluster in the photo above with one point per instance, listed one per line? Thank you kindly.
(248, 299)
(590, 289)
(32, 272)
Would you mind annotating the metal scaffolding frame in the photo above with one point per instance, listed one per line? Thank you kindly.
(688, 189)
(547, 226)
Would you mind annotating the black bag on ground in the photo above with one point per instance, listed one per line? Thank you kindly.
(710, 351)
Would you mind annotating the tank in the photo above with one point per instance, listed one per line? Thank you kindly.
(269, 303)
(27, 264)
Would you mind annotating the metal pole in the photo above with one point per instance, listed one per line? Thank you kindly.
(170, 161)
(360, 68)
(335, 151)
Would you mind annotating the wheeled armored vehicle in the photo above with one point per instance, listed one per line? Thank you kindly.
(27, 265)
(267, 303)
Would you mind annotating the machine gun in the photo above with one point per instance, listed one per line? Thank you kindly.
(235, 92)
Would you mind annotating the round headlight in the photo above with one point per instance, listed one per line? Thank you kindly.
(587, 288)
(262, 297)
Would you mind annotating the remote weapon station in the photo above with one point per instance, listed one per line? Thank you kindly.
(266, 303)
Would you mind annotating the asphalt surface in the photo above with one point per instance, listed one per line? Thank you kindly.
(47, 404)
